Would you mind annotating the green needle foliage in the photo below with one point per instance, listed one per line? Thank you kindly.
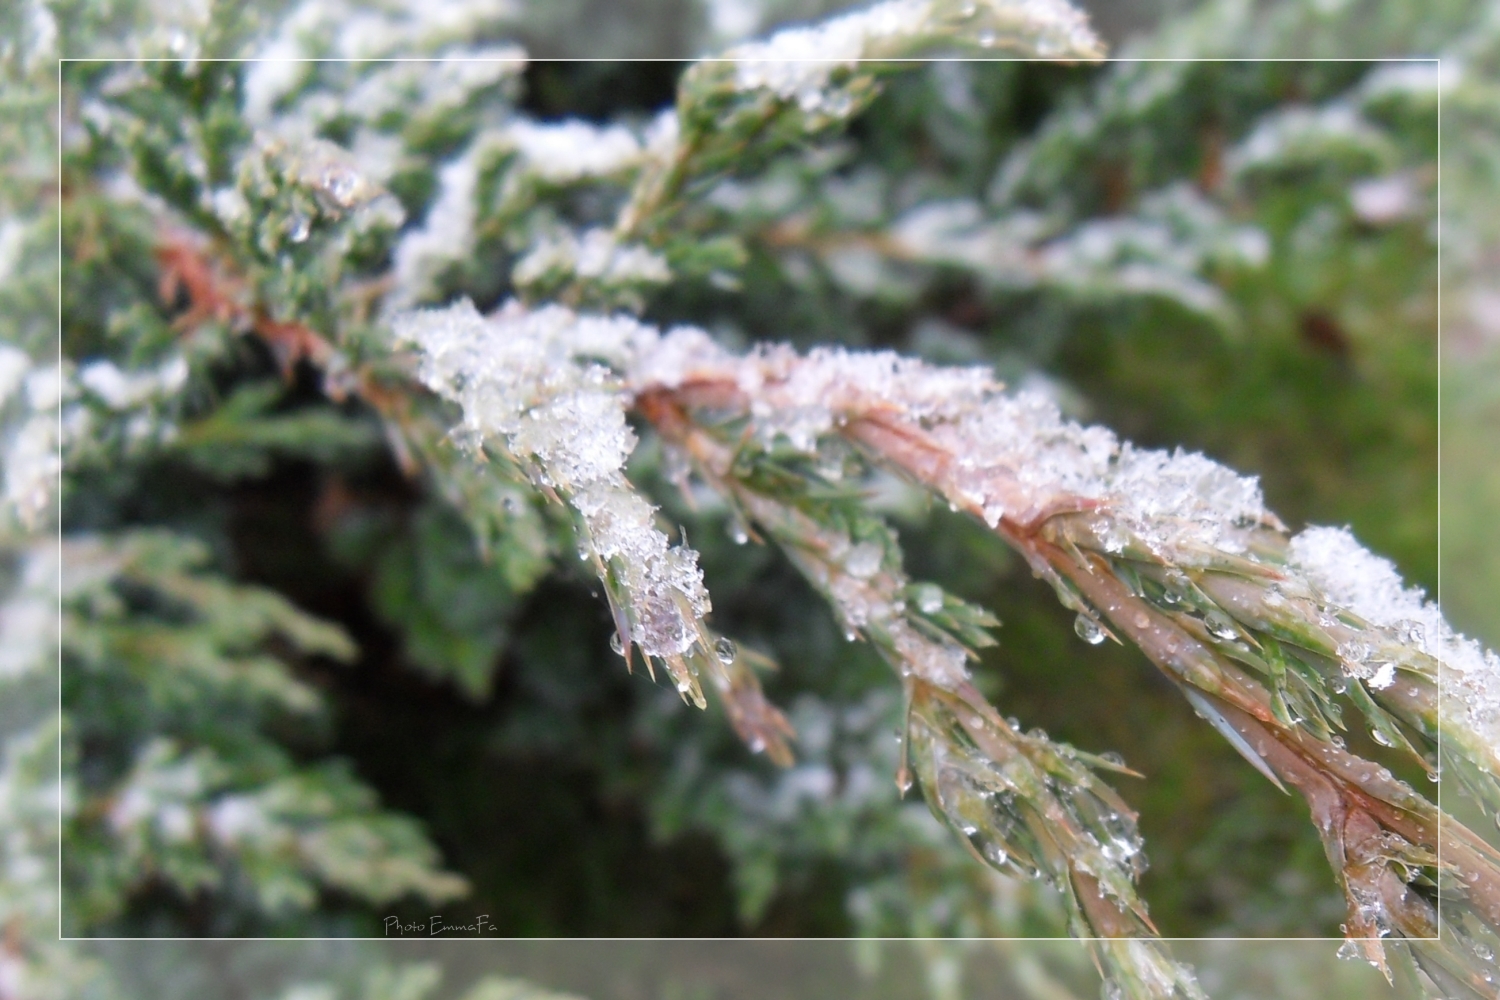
(395, 388)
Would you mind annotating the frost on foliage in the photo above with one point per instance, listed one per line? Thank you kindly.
(569, 151)
(595, 257)
(548, 154)
(28, 616)
(204, 789)
(1166, 249)
(31, 461)
(344, 30)
(532, 384)
(1353, 578)
(1014, 455)
(1300, 136)
(798, 64)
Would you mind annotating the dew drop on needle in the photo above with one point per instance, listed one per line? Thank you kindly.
(1088, 630)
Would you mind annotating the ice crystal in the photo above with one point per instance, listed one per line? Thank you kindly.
(1356, 579)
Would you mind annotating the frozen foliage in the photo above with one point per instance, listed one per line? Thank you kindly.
(799, 64)
(342, 30)
(568, 151)
(528, 384)
(1013, 455)
(595, 257)
(526, 377)
(548, 154)
(1354, 578)
(32, 438)
(1166, 249)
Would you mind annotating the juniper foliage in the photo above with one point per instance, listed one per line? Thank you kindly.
(459, 318)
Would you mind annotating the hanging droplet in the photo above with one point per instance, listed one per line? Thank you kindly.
(299, 227)
(1220, 625)
(903, 778)
(929, 599)
(738, 533)
(725, 651)
(1379, 736)
(616, 644)
(1112, 757)
(850, 635)
(1088, 630)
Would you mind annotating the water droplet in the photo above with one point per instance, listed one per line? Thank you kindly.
(616, 644)
(953, 506)
(1220, 625)
(850, 635)
(1088, 630)
(929, 599)
(1142, 620)
(725, 651)
(299, 227)
(1379, 736)
(1411, 632)
(738, 533)
(1113, 758)
(1348, 950)
(903, 778)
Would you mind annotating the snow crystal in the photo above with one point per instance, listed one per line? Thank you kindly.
(1354, 578)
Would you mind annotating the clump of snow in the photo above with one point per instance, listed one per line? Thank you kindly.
(538, 385)
(1355, 579)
